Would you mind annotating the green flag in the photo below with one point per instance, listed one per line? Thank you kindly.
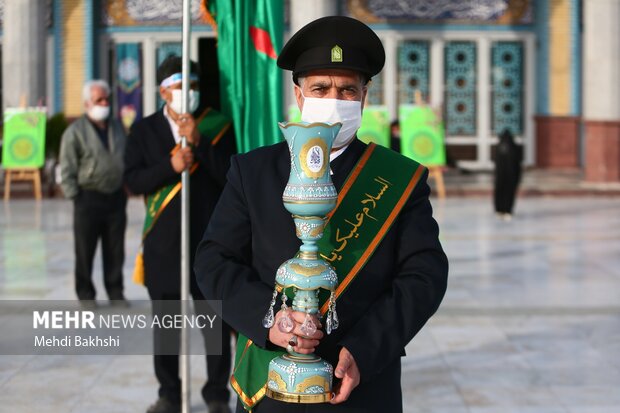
(249, 38)
(375, 126)
(422, 135)
(24, 138)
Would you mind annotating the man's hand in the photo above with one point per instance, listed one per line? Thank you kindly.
(188, 128)
(183, 158)
(347, 371)
(305, 345)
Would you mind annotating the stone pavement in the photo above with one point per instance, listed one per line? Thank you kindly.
(530, 322)
(534, 182)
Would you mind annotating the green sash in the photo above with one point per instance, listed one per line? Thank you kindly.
(368, 204)
(212, 126)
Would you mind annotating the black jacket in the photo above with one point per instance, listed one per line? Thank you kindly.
(147, 169)
(394, 295)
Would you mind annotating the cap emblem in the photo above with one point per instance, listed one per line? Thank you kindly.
(336, 54)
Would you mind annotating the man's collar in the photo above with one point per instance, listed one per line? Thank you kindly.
(337, 152)
(96, 125)
(334, 154)
(167, 114)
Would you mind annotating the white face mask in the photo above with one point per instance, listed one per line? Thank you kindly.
(347, 112)
(194, 100)
(99, 113)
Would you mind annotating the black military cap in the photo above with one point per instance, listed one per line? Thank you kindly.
(333, 42)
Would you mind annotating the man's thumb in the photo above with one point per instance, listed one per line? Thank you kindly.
(342, 367)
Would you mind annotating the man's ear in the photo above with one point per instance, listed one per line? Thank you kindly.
(298, 97)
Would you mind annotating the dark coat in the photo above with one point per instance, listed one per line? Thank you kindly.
(394, 295)
(147, 169)
(508, 159)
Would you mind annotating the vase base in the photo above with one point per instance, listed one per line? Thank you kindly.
(298, 397)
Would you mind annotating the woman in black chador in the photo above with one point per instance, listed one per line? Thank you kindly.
(507, 174)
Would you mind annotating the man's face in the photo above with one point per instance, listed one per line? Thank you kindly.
(331, 84)
(98, 97)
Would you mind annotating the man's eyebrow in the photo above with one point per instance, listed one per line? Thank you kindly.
(320, 83)
(348, 85)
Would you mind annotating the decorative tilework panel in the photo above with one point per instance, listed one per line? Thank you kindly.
(460, 88)
(413, 70)
(507, 87)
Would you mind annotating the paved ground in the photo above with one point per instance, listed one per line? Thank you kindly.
(530, 323)
(534, 182)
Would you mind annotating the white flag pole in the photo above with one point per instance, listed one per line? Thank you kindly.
(185, 270)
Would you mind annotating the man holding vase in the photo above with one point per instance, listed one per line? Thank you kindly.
(386, 293)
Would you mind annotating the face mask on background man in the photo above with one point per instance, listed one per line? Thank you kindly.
(99, 112)
(347, 112)
(194, 100)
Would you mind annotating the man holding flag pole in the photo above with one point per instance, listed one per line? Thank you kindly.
(161, 166)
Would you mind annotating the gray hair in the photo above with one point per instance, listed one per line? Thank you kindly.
(86, 90)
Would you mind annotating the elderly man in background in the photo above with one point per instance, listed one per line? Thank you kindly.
(91, 162)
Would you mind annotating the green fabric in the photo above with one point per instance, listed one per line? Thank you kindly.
(358, 221)
(24, 138)
(250, 372)
(375, 126)
(364, 210)
(249, 38)
(422, 135)
(155, 203)
(212, 124)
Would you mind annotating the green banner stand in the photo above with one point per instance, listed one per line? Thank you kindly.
(24, 138)
(422, 135)
(294, 114)
(375, 126)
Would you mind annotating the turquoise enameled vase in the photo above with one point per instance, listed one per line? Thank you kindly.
(309, 196)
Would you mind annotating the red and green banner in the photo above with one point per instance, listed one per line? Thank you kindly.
(249, 40)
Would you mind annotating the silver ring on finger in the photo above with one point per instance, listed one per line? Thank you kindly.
(290, 348)
(292, 341)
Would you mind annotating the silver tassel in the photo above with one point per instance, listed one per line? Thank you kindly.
(269, 317)
(283, 307)
(333, 314)
(328, 322)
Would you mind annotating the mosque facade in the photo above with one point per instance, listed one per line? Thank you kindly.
(485, 65)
